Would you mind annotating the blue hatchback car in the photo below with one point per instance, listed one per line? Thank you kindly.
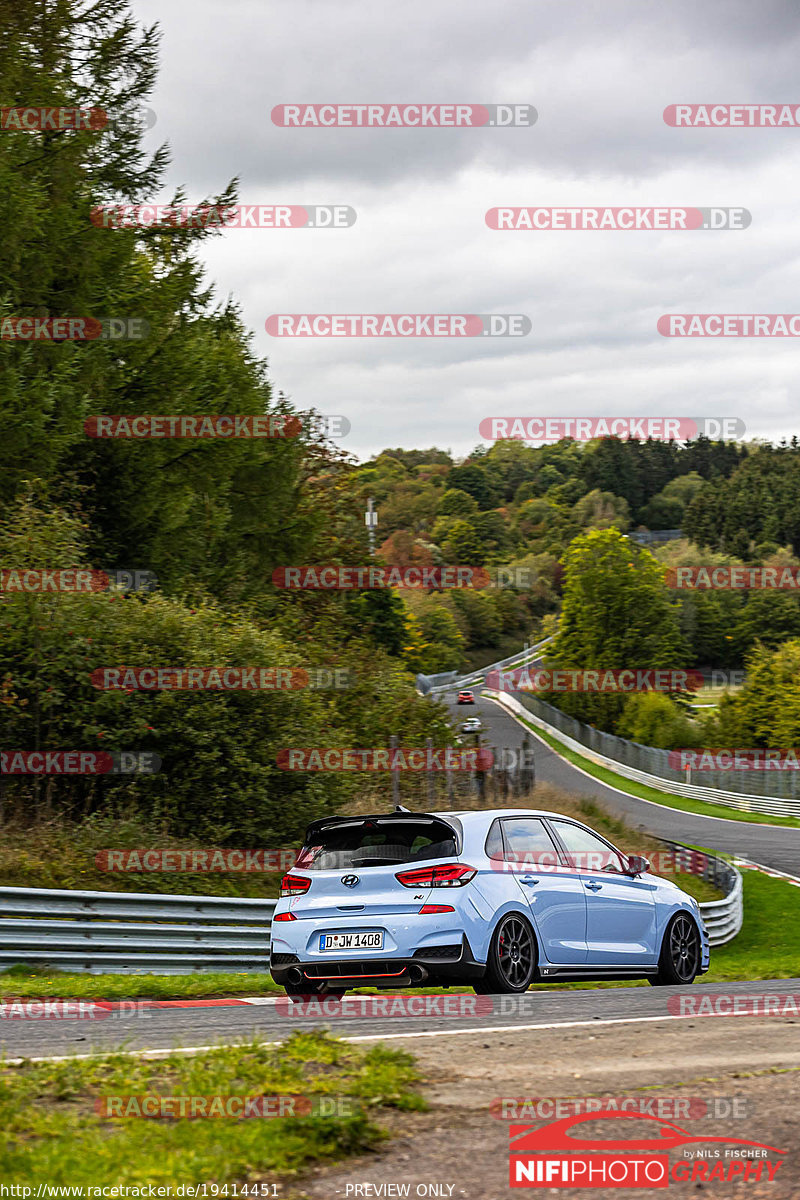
(497, 899)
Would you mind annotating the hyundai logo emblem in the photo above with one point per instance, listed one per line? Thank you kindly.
(350, 880)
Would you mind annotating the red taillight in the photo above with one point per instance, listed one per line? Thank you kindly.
(284, 917)
(446, 875)
(294, 885)
(436, 908)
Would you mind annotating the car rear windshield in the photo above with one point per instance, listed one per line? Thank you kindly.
(378, 843)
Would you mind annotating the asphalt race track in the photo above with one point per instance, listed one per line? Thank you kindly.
(160, 1025)
(771, 845)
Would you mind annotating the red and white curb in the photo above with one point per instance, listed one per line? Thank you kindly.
(81, 1007)
(746, 864)
(219, 1002)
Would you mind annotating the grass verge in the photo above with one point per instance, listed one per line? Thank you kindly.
(65, 854)
(768, 945)
(40, 982)
(52, 1129)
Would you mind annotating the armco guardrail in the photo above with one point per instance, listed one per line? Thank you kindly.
(130, 932)
(426, 683)
(655, 537)
(586, 740)
(518, 659)
(722, 918)
(126, 933)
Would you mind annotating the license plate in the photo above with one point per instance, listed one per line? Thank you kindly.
(351, 941)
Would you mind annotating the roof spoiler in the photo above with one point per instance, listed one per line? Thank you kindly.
(397, 813)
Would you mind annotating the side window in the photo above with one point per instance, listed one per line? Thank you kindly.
(494, 841)
(529, 843)
(587, 851)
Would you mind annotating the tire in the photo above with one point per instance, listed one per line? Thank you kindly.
(681, 952)
(511, 966)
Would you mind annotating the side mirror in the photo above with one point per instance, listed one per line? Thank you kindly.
(637, 864)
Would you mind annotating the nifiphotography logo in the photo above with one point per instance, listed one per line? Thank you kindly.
(552, 1156)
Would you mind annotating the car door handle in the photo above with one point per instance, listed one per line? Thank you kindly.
(594, 887)
(529, 879)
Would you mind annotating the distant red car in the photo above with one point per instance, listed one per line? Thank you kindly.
(465, 698)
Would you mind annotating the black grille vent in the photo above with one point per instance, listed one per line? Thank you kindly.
(439, 952)
(283, 960)
(367, 969)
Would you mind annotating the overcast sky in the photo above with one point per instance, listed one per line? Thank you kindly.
(599, 76)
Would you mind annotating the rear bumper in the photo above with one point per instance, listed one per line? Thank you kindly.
(428, 965)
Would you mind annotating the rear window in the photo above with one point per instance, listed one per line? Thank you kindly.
(377, 844)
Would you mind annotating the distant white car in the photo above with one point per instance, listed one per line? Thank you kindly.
(472, 725)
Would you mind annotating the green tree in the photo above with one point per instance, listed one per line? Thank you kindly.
(602, 510)
(441, 642)
(477, 481)
(609, 466)
(458, 503)
(617, 613)
(683, 488)
(464, 545)
(484, 622)
(766, 712)
(653, 719)
(662, 512)
(208, 513)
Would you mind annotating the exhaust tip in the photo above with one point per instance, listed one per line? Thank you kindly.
(294, 975)
(418, 973)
